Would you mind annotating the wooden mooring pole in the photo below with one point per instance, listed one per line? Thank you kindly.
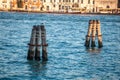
(93, 32)
(44, 45)
(37, 40)
(31, 50)
(37, 43)
(87, 42)
(99, 34)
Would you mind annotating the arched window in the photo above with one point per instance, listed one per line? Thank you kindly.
(88, 1)
(75, 5)
(19, 4)
(26, 7)
(82, 1)
(4, 1)
(47, 8)
(107, 6)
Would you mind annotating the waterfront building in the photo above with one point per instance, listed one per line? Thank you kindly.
(68, 5)
(5, 4)
(49, 5)
(81, 6)
(106, 6)
(26, 5)
(32, 5)
(76, 6)
(14, 4)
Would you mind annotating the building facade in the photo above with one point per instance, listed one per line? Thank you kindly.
(13, 4)
(67, 5)
(82, 6)
(32, 5)
(105, 6)
(26, 5)
(5, 4)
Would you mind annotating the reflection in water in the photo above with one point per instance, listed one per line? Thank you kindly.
(37, 67)
(68, 58)
(93, 50)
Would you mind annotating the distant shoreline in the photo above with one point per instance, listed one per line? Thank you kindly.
(22, 11)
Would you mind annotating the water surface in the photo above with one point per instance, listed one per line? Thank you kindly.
(68, 58)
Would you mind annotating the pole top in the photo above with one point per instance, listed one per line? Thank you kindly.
(98, 21)
(34, 26)
(90, 21)
(42, 26)
(94, 21)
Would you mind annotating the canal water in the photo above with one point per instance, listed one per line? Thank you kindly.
(68, 58)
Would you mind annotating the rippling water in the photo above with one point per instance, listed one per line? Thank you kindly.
(68, 58)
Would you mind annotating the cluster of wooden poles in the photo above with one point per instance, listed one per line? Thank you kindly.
(37, 40)
(94, 31)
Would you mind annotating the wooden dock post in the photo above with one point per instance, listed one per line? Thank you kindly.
(31, 49)
(93, 34)
(98, 30)
(37, 43)
(94, 31)
(38, 39)
(44, 45)
(87, 42)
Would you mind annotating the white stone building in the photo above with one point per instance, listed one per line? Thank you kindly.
(67, 5)
(49, 5)
(82, 6)
(105, 6)
(5, 4)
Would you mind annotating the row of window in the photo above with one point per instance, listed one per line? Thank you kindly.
(80, 1)
(64, 7)
(60, 7)
(4, 1)
(4, 6)
(32, 0)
